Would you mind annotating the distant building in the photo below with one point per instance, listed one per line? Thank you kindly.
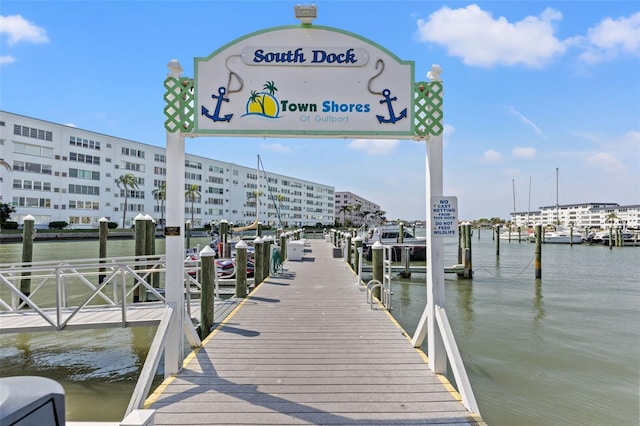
(62, 173)
(358, 207)
(586, 215)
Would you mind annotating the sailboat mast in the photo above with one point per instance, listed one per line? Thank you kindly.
(513, 185)
(529, 203)
(557, 205)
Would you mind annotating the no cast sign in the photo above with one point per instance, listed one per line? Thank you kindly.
(444, 217)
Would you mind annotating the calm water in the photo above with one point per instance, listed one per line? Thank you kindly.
(564, 350)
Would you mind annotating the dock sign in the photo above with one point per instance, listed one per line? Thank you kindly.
(444, 217)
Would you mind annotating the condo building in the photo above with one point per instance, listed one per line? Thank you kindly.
(55, 172)
(352, 209)
(584, 216)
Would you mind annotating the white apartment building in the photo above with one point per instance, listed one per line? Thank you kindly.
(62, 173)
(586, 215)
(357, 207)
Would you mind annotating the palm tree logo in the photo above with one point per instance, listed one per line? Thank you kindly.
(264, 103)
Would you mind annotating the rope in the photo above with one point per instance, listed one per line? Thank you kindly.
(514, 276)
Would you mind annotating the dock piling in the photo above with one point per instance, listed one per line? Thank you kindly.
(468, 266)
(377, 261)
(208, 276)
(538, 251)
(103, 232)
(241, 269)
(28, 232)
(258, 246)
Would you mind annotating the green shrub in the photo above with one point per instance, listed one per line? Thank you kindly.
(59, 224)
(112, 225)
(10, 224)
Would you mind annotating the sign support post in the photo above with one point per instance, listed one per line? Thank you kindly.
(428, 326)
(174, 231)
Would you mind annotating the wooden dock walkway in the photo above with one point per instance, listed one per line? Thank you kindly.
(305, 347)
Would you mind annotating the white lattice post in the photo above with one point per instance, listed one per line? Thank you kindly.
(429, 128)
(174, 231)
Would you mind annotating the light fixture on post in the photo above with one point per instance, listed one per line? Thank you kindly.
(306, 13)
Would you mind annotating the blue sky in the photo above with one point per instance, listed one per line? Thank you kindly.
(530, 86)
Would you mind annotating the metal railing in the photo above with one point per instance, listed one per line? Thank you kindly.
(385, 285)
(58, 291)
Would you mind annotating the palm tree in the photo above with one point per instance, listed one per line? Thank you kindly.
(344, 210)
(160, 195)
(611, 218)
(270, 87)
(126, 183)
(191, 194)
(5, 164)
(258, 98)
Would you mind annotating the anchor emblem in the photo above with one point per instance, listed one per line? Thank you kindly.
(216, 113)
(392, 117)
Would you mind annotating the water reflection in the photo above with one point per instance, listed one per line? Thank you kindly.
(465, 304)
(538, 307)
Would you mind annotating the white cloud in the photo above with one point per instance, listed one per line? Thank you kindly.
(524, 152)
(613, 37)
(492, 156)
(19, 29)
(374, 146)
(605, 161)
(7, 59)
(276, 147)
(527, 121)
(482, 40)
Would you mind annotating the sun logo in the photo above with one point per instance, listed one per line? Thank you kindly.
(264, 103)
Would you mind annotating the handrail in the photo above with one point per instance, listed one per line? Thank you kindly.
(150, 366)
(457, 366)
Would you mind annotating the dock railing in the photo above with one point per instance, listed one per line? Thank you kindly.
(58, 291)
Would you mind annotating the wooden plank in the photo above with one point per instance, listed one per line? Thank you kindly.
(306, 348)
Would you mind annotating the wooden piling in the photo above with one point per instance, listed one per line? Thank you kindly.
(207, 294)
(139, 295)
(611, 238)
(405, 257)
(460, 242)
(28, 233)
(283, 246)
(103, 233)
(571, 236)
(358, 246)
(348, 254)
(497, 238)
(258, 275)
(266, 256)
(377, 261)
(241, 269)
(538, 252)
(225, 249)
(150, 248)
(187, 233)
(468, 265)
